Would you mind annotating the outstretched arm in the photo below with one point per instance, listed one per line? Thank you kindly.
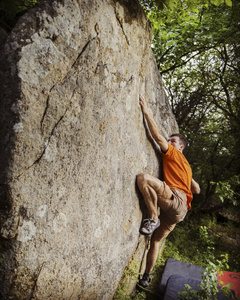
(195, 188)
(153, 127)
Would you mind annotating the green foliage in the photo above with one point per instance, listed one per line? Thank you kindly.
(199, 250)
(227, 190)
(132, 270)
(10, 9)
(197, 241)
(192, 5)
(131, 273)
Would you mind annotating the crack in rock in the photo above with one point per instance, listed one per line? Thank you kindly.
(46, 145)
(36, 280)
(80, 54)
(46, 108)
(121, 25)
(96, 28)
(117, 74)
(65, 77)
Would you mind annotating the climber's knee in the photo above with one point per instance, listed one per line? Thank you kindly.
(142, 179)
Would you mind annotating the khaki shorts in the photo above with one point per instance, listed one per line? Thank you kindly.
(174, 214)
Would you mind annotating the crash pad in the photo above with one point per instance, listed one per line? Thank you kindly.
(176, 283)
(177, 267)
(226, 277)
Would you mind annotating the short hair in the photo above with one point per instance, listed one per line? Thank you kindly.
(182, 138)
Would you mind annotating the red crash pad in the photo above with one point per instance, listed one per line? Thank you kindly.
(230, 277)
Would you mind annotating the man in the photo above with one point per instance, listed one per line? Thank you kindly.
(173, 196)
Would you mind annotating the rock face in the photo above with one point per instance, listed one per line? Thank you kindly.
(72, 141)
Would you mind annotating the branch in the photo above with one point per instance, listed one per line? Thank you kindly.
(175, 66)
(225, 59)
(165, 53)
(199, 50)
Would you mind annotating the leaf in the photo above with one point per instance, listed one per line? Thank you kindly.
(228, 2)
(217, 2)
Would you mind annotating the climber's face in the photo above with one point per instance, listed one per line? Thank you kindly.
(176, 143)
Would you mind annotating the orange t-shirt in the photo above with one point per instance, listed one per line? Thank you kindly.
(177, 172)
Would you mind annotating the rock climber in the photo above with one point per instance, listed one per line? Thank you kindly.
(173, 195)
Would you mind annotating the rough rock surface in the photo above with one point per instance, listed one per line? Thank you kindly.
(72, 141)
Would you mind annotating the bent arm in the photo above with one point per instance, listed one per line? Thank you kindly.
(195, 187)
(153, 127)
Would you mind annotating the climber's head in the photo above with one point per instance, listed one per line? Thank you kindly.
(178, 141)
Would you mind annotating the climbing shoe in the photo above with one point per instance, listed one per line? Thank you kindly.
(145, 281)
(149, 226)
